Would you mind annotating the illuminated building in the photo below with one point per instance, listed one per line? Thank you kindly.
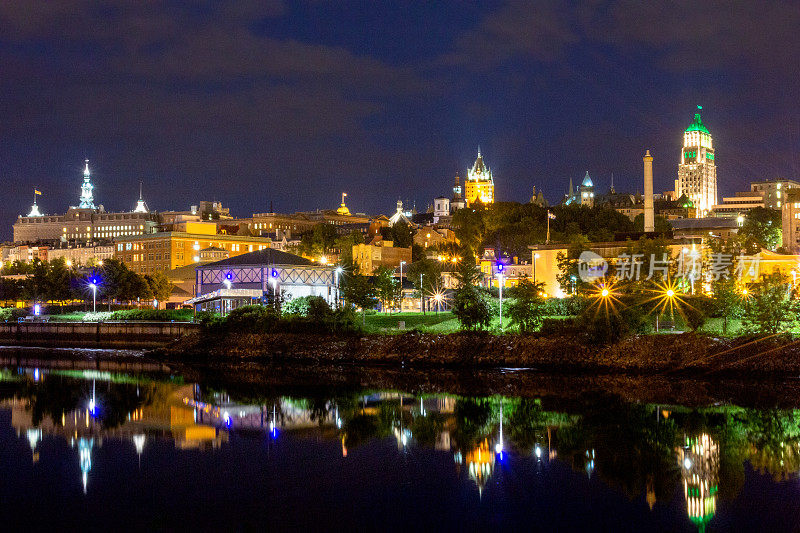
(773, 191)
(581, 195)
(157, 252)
(457, 201)
(377, 253)
(34, 212)
(400, 215)
(83, 224)
(343, 210)
(790, 220)
(480, 183)
(587, 191)
(697, 171)
(698, 460)
(739, 204)
(260, 276)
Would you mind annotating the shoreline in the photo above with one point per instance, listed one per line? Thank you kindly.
(685, 355)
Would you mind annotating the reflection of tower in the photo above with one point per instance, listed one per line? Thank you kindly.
(34, 436)
(138, 443)
(699, 464)
(480, 463)
(87, 196)
(85, 456)
(697, 171)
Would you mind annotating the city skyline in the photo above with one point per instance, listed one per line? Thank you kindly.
(376, 103)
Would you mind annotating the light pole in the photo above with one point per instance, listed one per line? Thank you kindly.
(93, 285)
(421, 296)
(401, 284)
(337, 273)
(500, 285)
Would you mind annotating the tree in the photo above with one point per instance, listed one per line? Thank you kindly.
(387, 288)
(771, 307)
(467, 272)
(160, 286)
(357, 290)
(472, 307)
(526, 309)
(727, 302)
(401, 234)
(37, 284)
(761, 229)
(59, 277)
(660, 224)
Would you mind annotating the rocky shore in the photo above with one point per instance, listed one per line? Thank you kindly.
(685, 354)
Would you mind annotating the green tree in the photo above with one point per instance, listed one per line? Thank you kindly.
(661, 224)
(771, 308)
(467, 273)
(761, 229)
(727, 302)
(387, 287)
(473, 308)
(357, 290)
(401, 234)
(568, 275)
(160, 286)
(59, 277)
(37, 284)
(526, 309)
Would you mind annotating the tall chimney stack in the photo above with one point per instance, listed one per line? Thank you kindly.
(649, 214)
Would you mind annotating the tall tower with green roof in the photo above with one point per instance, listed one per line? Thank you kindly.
(697, 171)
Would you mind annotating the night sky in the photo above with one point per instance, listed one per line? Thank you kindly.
(291, 103)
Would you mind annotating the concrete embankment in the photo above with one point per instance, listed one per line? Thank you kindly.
(686, 354)
(94, 334)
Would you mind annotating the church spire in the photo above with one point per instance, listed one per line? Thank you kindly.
(87, 197)
(141, 207)
(35, 208)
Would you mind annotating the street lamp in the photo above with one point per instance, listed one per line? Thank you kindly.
(337, 273)
(93, 285)
(500, 286)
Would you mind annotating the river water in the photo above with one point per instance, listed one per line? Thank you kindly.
(148, 449)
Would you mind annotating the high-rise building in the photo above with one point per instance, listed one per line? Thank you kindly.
(480, 183)
(697, 171)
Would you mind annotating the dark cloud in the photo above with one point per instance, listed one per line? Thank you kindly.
(251, 102)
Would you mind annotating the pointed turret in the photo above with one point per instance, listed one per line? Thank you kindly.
(141, 207)
(87, 196)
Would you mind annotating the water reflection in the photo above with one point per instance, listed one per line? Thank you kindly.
(644, 451)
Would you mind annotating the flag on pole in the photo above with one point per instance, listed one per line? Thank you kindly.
(550, 215)
(37, 191)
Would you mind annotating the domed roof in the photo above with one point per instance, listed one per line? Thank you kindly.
(587, 181)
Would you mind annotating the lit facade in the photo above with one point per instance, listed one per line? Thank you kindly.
(697, 171)
(379, 253)
(480, 183)
(773, 191)
(157, 252)
(790, 220)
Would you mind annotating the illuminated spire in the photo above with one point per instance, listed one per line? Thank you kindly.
(35, 208)
(343, 210)
(141, 207)
(87, 197)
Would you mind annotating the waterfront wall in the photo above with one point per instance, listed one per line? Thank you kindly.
(689, 353)
(94, 334)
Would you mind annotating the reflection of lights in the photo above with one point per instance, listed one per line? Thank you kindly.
(687, 463)
(85, 457)
(227, 419)
(538, 451)
(35, 374)
(498, 448)
(34, 436)
(138, 443)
